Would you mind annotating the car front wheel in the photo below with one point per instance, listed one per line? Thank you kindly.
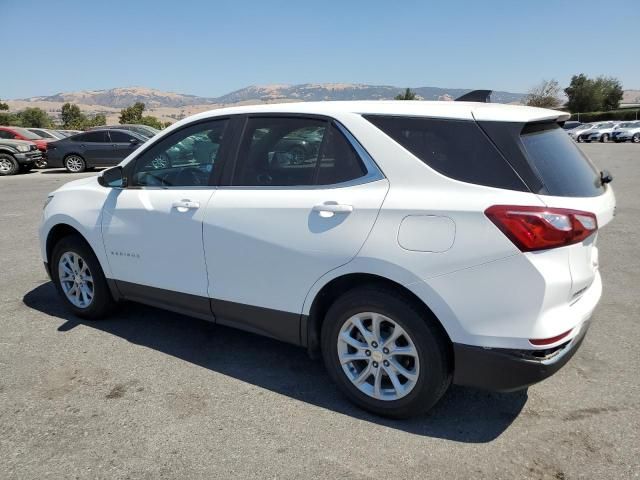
(79, 279)
(604, 138)
(636, 138)
(384, 353)
(75, 164)
(8, 165)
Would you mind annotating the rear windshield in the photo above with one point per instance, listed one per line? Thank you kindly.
(456, 148)
(559, 163)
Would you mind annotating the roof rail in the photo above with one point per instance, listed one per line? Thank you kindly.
(482, 96)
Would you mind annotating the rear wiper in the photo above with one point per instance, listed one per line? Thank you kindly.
(605, 177)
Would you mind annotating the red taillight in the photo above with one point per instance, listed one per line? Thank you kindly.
(540, 228)
(541, 342)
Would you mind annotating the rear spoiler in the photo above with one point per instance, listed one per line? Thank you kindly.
(481, 96)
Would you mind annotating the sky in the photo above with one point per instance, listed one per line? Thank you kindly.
(210, 48)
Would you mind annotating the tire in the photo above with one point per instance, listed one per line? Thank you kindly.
(636, 138)
(604, 138)
(8, 165)
(580, 139)
(101, 302)
(74, 163)
(422, 336)
(26, 168)
(41, 163)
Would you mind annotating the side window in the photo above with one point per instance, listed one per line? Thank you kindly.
(279, 152)
(5, 134)
(92, 137)
(283, 152)
(184, 158)
(455, 148)
(120, 137)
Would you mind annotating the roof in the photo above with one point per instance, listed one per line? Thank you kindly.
(440, 109)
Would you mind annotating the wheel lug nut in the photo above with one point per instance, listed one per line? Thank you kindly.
(385, 351)
(375, 364)
(368, 353)
(374, 344)
(386, 363)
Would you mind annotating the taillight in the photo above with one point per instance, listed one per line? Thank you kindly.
(540, 228)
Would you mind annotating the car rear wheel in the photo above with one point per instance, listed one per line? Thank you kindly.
(8, 165)
(604, 138)
(580, 140)
(384, 353)
(79, 279)
(75, 163)
(636, 138)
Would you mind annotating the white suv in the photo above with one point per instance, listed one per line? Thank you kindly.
(411, 244)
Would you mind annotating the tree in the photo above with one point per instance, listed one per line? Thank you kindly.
(407, 95)
(3, 106)
(95, 121)
(611, 91)
(589, 95)
(132, 114)
(544, 95)
(72, 117)
(7, 118)
(34, 118)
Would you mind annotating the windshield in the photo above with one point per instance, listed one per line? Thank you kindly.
(559, 163)
(23, 132)
(628, 125)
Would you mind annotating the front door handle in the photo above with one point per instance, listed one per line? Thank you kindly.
(330, 209)
(185, 204)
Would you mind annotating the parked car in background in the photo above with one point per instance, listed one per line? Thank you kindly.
(68, 133)
(570, 125)
(409, 251)
(575, 132)
(600, 133)
(17, 155)
(627, 131)
(46, 133)
(19, 133)
(139, 129)
(93, 149)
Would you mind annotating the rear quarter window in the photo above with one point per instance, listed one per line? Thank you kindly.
(458, 149)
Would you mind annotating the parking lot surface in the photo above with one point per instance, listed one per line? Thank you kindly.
(152, 394)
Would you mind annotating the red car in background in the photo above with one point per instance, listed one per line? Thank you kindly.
(19, 133)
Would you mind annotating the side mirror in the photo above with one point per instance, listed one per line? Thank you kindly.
(113, 178)
(605, 177)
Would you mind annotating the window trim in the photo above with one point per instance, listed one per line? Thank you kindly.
(214, 176)
(373, 172)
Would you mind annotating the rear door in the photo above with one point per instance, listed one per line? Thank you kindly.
(94, 146)
(122, 145)
(302, 199)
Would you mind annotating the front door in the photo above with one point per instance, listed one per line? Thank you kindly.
(301, 203)
(152, 230)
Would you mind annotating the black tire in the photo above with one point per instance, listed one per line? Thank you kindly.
(102, 303)
(74, 163)
(432, 345)
(8, 165)
(604, 138)
(636, 138)
(580, 139)
(42, 163)
(26, 168)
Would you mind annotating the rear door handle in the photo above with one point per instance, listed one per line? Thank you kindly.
(330, 209)
(185, 204)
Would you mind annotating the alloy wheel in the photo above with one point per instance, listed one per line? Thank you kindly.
(636, 138)
(76, 279)
(5, 165)
(74, 163)
(378, 356)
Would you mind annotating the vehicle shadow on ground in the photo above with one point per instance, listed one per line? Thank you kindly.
(463, 415)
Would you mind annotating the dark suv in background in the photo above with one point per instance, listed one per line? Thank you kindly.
(17, 155)
(94, 148)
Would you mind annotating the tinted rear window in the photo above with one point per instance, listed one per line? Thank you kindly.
(456, 148)
(559, 163)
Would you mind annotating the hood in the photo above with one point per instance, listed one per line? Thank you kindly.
(5, 141)
(78, 184)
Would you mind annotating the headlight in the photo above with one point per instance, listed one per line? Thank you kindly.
(23, 148)
(47, 201)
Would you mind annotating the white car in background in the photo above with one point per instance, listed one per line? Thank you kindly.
(627, 131)
(574, 132)
(47, 133)
(600, 133)
(416, 244)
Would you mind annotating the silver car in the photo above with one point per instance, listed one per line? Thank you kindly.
(574, 132)
(627, 131)
(600, 133)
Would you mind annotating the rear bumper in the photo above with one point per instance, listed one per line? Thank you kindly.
(503, 369)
